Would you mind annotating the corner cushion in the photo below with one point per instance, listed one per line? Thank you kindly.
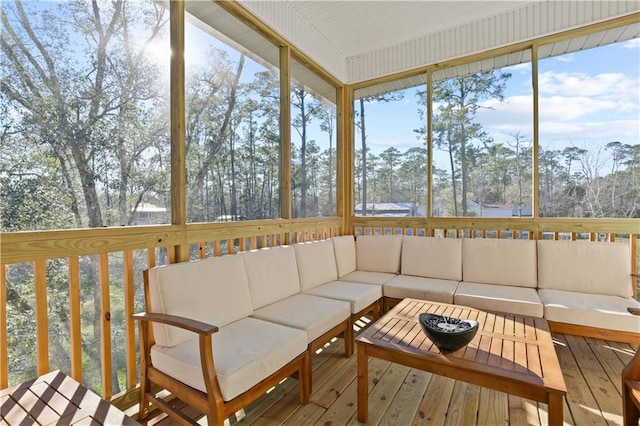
(500, 298)
(244, 352)
(591, 310)
(437, 290)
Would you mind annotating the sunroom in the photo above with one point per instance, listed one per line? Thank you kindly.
(138, 134)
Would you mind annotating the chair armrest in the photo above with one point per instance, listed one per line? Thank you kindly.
(192, 325)
(635, 275)
(634, 311)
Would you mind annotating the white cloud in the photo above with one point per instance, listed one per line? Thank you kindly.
(612, 85)
(632, 44)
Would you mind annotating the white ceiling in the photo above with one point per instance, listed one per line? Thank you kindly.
(354, 27)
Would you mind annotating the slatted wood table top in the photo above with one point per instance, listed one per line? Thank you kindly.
(56, 398)
(510, 353)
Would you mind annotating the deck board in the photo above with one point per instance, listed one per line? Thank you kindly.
(402, 396)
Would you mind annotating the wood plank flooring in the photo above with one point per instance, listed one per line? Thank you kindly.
(400, 395)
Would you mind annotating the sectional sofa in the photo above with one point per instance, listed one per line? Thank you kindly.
(220, 332)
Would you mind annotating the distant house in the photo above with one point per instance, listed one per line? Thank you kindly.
(398, 209)
(149, 214)
(498, 210)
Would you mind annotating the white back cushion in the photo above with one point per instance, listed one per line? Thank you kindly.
(432, 257)
(272, 274)
(585, 266)
(378, 253)
(316, 263)
(498, 261)
(215, 291)
(345, 251)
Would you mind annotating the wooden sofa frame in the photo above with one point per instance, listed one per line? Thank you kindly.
(211, 403)
(631, 387)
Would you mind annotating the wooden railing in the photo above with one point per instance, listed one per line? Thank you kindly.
(98, 258)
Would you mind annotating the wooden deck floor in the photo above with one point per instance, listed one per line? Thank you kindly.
(402, 396)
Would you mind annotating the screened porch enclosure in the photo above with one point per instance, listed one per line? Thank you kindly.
(165, 133)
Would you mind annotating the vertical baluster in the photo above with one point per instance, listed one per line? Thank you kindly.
(151, 257)
(243, 244)
(574, 236)
(202, 250)
(4, 353)
(130, 330)
(254, 242)
(216, 248)
(230, 247)
(633, 242)
(612, 237)
(105, 326)
(75, 331)
(42, 321)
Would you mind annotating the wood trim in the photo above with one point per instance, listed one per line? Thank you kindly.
(4, 352)
(178, 148)
(129, 324)
(429, 119)
(42, 315)
(597, 333)
(105, 326)
(285, 133)
(75, 331)
(633, 242)
(535, 176)
(19, 247)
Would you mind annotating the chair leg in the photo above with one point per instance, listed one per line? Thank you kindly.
(630, 411)
(348, 339)
(305, 379)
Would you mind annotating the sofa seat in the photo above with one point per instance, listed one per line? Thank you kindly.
(313, 314)
(591, 310)
(433, 289)
(245, 352)
(502, 298)
(368, 277)
(359, 295)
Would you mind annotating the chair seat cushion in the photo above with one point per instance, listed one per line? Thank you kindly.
(314, 314)
(500, 298)
(368, 277)
(244, 352)
(592, 310)
(437, 290)
(358, 294)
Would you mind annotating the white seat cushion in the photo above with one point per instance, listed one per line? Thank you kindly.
(198, 290)
(498, 261)
(378, 253)
(359, 295)
(436, 290)
(368, 277)
(432, 257)
(592, 310)
(272, 274)
(316, 315)
(316, 263)
(500, 298)
(345, 251)
(585, 267)
(244, 352)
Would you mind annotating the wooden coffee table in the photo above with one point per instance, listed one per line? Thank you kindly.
(511, 354)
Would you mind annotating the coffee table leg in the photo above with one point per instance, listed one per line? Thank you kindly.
(363, 384)
(555, 409)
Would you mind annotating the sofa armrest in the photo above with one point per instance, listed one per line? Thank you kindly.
(177, 321)
(634, 311)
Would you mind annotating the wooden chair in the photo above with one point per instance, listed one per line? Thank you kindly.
(631, 387)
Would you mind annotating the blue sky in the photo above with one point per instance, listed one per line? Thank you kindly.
(587, 98)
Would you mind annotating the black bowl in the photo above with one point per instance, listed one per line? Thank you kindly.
(447, 333)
